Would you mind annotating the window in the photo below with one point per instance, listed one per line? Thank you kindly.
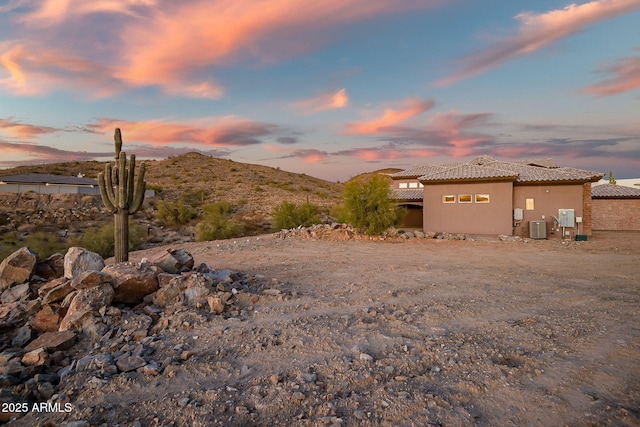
(448, 198)
(464, 198)
(529, 204)
(482, 198)
(402, 185)
(413, 185)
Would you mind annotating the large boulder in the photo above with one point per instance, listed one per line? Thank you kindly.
(79, 259)
(132, 282)
(85, 305)
(17, 268)
(51, 268)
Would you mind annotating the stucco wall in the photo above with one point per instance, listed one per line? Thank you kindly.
(616, 214)
(547, 200)
(469, 218)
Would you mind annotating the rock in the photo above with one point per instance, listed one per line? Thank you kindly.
(16, 293)
(17, 268)
(79, 259)
(37, 357)
(169, 294)
(196, 288)
(89, 279)
(51, 268)
(130, 363)
(55, 290)
(131, 283)
(215, 304)
(53, 341)
(46, 320)
(419, 234)
(84, 304)
(23, 336)
(173, 260)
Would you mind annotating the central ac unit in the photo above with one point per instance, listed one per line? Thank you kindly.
(537, 229)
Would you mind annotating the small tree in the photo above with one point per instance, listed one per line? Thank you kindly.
(368, 205)
(217, 223)
(289, 215)
(612, 180)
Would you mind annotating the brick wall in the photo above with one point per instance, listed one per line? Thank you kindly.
(616, 214)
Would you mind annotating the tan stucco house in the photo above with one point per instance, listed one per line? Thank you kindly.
(535, 198)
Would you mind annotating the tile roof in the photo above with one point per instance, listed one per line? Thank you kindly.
(408, 194)
(43, 178)
(488, 168)
(613, 191)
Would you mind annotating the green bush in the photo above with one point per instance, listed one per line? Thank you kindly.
(101, 240)
(288, 215)
(368, 205)
(174, 213)
(217, 223)
(44, 244)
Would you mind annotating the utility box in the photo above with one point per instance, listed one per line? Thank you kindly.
(566, 217)
(517, 214)
(537, 229)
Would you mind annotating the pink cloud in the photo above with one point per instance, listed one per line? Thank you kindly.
(309, 155)
(625, 76)
(35, 69)
(537, 31)
(24, 131)
(327, 101)
(391, 117)
(176, 46)
(225, 132)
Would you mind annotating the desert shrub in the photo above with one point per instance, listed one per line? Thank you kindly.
(8, 244)
(194, 198)
(174, 213)
(101, 239)
(288, 215)
(368, 205)
(217, 223)
(44, 244)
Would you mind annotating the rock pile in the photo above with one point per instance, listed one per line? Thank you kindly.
(47, 307)
(338, 231)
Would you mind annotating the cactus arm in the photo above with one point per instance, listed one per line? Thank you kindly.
(131, 180)
(141, 187)
(109, 185)
(104, 192)
(122, 181)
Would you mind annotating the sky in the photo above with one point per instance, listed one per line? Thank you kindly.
(331, 88)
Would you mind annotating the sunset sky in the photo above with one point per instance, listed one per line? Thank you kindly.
(330, 88)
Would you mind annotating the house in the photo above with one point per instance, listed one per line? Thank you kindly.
(616, 207)
(534, 198)
(48, 184)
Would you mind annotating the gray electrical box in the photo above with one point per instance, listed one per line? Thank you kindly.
(566, 217)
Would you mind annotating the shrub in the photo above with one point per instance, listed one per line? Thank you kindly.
(288, 215)
(44, 244)
(217, 223)
(174, 213)
(368, 205)
(101, 239)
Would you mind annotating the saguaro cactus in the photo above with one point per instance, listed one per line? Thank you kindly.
(120, 196)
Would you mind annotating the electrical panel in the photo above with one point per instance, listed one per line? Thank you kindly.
(566, 217)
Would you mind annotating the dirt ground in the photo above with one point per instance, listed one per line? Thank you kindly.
(378, 333)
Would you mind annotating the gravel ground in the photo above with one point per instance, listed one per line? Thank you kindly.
(417, 332)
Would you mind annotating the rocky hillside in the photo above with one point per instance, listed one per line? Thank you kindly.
(192, 179)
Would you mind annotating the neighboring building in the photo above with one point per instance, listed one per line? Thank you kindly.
(42, 183)
(487, 196)
(48, 184)
(616, 207)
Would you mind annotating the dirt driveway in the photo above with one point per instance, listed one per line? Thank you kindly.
(412, 333)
